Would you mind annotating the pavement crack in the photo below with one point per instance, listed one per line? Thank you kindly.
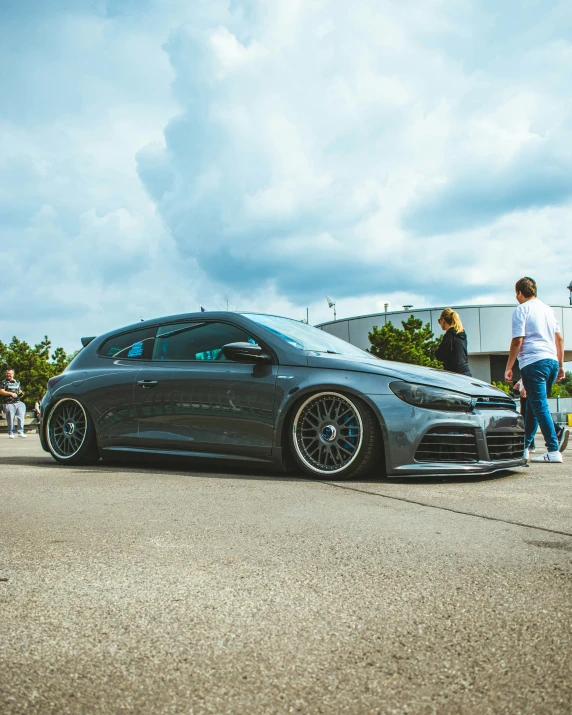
(445, 508)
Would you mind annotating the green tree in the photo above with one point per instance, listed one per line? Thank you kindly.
(33, 365)
(563, 388)
(414, 344)
(505, 387)
(559, 389)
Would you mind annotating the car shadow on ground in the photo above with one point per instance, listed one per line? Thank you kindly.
(226, 470)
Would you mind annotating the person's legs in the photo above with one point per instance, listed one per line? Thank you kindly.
(10, 410)
(538, 379)
(20, 414)
(530, 423)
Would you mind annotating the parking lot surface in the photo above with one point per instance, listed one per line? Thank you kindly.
(152, 588)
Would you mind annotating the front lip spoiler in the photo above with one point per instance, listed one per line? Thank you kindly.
(439, 469)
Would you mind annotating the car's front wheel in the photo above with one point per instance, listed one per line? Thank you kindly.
(333, 435)
(70, 433)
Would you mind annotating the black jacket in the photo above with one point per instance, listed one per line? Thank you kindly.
(453, 352)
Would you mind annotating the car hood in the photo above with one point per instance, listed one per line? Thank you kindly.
(404, 371)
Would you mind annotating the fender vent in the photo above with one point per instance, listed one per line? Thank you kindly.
(447, 444)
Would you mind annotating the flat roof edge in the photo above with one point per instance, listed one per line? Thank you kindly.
(422, 310)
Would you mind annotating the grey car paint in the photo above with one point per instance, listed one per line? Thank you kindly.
(244, 411)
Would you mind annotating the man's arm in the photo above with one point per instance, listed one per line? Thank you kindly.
(8, 394)
(559, 340)
(515, 345)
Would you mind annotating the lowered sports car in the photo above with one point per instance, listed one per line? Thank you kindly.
(246, 386)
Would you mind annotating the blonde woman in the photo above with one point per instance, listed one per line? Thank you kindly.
(453, 349)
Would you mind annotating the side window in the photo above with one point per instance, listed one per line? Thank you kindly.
(136, 345)
(196, 341)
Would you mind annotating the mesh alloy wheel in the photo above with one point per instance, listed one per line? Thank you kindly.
(67, 429)
(327, 433)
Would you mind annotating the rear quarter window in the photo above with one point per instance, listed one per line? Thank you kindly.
(134, 345)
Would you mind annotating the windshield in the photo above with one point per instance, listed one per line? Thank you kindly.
(305, 337)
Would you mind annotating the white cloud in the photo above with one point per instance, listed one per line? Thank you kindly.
(159, 155)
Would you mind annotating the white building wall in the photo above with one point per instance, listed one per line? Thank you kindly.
(359, 328)
(480, 367)
(496, 329)
(488, 330)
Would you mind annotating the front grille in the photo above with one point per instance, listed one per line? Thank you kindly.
(505, 445)
(447, 444)
(495, 403)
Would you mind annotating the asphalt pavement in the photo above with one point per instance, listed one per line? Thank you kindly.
(150, 588)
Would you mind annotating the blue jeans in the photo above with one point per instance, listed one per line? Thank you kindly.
(538, 379)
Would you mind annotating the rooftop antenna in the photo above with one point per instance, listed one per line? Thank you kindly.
(331, 304)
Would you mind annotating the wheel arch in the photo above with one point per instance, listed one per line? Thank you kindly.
(49, 408)
(288, 409)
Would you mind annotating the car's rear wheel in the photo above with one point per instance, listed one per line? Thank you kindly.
(70, 433)
(333, 435)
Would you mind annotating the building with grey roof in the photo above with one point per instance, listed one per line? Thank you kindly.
(488, 330)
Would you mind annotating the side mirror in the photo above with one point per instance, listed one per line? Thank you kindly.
(245, 352)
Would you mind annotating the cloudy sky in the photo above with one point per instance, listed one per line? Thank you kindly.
(159, 155)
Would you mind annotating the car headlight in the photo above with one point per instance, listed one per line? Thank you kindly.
(432, 398)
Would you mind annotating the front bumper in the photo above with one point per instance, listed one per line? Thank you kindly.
(404, 426)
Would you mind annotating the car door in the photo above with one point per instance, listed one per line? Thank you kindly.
(109, 386)
(190, 398)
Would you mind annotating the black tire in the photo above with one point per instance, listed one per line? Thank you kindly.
(334, 436)
(70, 433)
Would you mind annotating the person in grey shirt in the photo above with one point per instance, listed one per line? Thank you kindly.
(15, 409)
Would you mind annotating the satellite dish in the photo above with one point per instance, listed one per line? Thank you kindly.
(332, 304)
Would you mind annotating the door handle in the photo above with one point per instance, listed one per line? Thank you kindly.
(147, 383)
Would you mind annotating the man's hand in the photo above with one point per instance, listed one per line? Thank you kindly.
(561, 373)
(508, 374)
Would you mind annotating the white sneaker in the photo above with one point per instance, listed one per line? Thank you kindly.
(527, 454)
(10, 436)
(555, 457)
(21, 434)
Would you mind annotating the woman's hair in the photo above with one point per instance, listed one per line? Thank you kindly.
(451, 317)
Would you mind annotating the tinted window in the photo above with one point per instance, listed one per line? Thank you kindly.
(136, 345)
(196, 341)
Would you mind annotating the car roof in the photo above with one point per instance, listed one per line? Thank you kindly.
(223, 315)
(203, 315)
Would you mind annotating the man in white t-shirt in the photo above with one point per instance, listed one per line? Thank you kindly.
(537, 342)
